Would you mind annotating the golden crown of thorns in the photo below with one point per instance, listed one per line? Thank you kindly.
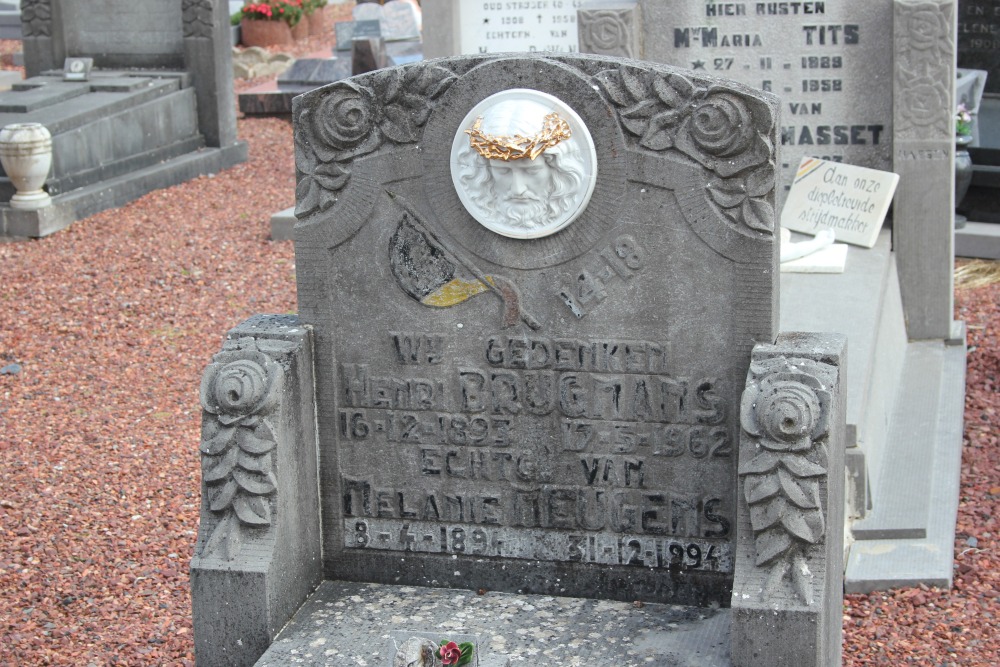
(554, 129)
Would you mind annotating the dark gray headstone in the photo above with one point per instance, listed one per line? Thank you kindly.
(557, 415)
(124, 33)
(346, 31)
(979, 39)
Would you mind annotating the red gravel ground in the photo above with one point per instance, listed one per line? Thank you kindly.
(110, 324)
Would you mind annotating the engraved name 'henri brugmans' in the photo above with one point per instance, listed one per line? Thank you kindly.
(620, 414)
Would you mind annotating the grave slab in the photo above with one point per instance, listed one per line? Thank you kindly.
(37, 97)
(345, 622)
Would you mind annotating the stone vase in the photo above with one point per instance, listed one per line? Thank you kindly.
(26, 155)
(963, 173)
(265, 33)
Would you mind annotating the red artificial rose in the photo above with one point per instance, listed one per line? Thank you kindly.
(450, 653)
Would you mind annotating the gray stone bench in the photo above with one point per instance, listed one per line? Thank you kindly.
(489, 412)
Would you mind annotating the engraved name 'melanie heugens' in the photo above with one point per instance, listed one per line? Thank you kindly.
(616, 406)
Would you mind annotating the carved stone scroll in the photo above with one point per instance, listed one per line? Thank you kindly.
(790, 516)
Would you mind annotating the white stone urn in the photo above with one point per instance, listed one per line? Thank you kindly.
(26, 155)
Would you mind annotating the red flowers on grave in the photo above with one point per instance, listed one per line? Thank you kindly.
(289, 11)
(452, 653)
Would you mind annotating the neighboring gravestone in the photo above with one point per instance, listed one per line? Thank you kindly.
(401, 20)
(537, 289)
(831, 63)
(141, 34)
(161, 86)
(979, 39)
(924, 210)
(129, 34)
(452, 27)
(347, 31)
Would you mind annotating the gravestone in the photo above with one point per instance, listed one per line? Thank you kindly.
(453, 27)
(141, 34)
(347, 31)
(401, 20)
(161, 86)
(830, 62)
(539, 329)
(979, 39)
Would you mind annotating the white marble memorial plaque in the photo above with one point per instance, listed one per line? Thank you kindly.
(524, 25)
(850, 200)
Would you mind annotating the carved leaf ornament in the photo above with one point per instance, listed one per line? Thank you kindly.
(786, 413)
(36, 18)
(715, 128)
(240, 388)
(347, 124)
(197, 17)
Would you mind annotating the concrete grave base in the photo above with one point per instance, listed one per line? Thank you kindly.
(904, 408)
(344, 623)
(86, 201)
(978, 239)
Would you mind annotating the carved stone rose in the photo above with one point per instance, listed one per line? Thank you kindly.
(786, 412)
(240, 388)
(720, 133)
(923, 103)
(606, 32)
(345, 122)
(925, 26)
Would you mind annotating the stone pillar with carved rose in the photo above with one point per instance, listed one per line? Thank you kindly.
(924, 157)
(208, 56)
(258, 538)
(788, 591)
